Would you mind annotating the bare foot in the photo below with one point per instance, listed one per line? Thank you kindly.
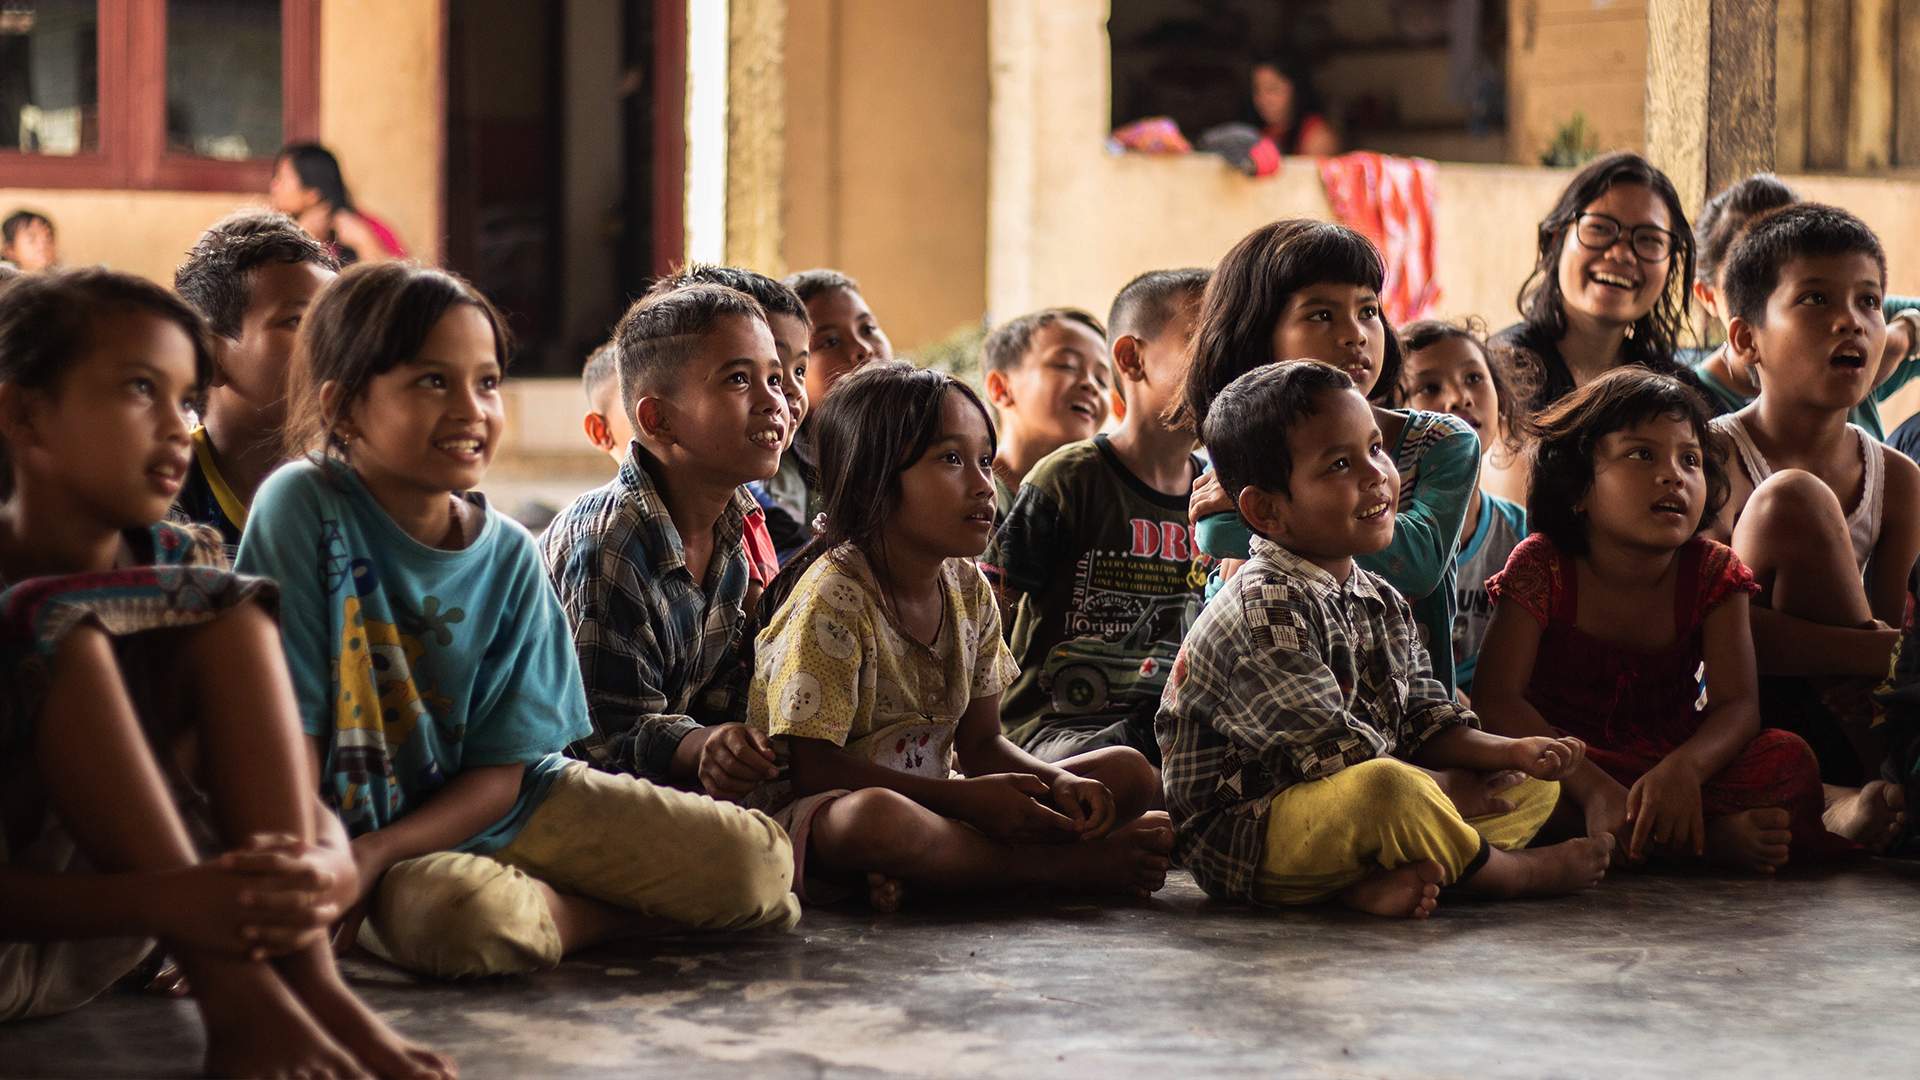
(380, 1049)
(1873, 817)
(1556, 870)
(1754, 840)
(257, 1027)
(1405, 892)
(1131, 859)
(884, 893)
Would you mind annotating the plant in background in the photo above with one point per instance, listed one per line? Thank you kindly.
(1573, 145)
(957, 354)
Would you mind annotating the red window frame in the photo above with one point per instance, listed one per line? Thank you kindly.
(132, 151)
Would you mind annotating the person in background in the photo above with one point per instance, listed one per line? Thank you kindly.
(26, 241)
(1287, 110)
(307, 186)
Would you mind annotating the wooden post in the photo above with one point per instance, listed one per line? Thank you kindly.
(756, 133)
(1790, 86)
(1870, 97)
(1710, 97)
(1829, 36)
(1906, 84)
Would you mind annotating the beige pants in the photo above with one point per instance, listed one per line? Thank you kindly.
(661, 853)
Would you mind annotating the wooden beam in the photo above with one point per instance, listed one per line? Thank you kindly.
(756, 133)
(1829, 36)
(1870, 90)
(1906, 84)
(1710, 94)
(1790, 86)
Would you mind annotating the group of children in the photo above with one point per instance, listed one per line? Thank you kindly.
(843, 627)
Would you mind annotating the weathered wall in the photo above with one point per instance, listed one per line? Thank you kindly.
(380, 110)
(886, 147)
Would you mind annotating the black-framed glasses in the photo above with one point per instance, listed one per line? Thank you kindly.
(1598, 232)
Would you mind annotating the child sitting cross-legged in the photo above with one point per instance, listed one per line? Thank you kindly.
(1302, 718)
(881, 669)
(1827, 517)
(1604, 616)
(153, 781)
(252, 276)
(435, 673)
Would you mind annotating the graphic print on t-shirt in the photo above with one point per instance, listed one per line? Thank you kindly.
(1128, 611)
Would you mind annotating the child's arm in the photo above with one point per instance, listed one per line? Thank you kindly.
(1899, 544)
(1507, 656)
(1004, 806)
(1427, 532)
(479, 796)
(982, 750)
(1786, 645)
(1665, 803)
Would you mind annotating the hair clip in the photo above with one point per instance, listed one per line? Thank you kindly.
(819, 524)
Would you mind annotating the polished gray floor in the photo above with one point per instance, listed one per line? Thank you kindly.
(1651, 975)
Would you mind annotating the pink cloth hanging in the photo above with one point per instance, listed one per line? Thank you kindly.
(1389, 200)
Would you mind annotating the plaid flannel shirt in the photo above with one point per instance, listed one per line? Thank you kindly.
(1288, 676)
(660, 655)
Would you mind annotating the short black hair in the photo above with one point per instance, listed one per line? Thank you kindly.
(1800, 231)
(1512, 386)
(808, 284)
(18, 220)
(1246, 426)
(602, 367)
(1566, 434)
(774, 297)
(217, 278)
(45, 319)
(1007, 345)
(1729, 212)
(1145, 305)
(659, 333)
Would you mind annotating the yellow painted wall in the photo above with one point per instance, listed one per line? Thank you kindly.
(886, 141)
(380, 111)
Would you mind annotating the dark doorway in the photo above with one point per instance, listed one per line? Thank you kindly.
(564, 145)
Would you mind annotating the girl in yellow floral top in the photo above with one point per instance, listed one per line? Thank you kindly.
(880, 671)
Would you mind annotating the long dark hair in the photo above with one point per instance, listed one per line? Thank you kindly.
(1306, 100)
(1249, 291)
(877, 422)
(1566, 434)
(1656, 334)
(1726, 215)
(370, 320)
(318, 169)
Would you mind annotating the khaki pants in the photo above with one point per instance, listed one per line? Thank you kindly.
(1325, 835)
(653, 850)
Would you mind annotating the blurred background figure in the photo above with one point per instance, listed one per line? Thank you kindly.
(307, 185)
(26, 241)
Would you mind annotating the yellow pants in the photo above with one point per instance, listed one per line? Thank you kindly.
(649, 849)
(1325, 835)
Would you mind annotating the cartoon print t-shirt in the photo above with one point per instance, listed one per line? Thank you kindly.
(832, 665)
(411, 663)
(1104, 570)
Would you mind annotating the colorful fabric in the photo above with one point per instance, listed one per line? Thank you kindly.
(205, 497)
(661, 654)
(1325, 835)
(1100, 569)
(834, 665)
(410, 663)
(1438, 457)
(763, 562)
(1153, 135)
(1633, 707)
(1501, 527)
(1389, 200)
(1288, 677)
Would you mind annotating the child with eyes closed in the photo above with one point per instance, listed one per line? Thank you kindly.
(1604, 616)
(881, 669)
(1308, 290)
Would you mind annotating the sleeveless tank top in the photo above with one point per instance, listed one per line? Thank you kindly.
(1863, 521)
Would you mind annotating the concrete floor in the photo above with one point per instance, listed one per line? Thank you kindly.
(1650, 975)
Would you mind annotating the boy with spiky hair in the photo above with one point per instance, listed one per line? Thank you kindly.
(251, 276)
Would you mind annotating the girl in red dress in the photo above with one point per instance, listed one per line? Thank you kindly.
(1604, 617)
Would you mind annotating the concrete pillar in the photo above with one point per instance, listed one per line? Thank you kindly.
(1710, 97)
(756, 134)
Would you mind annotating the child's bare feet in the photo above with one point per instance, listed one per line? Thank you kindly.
(1405, 892)
(380, 1049)
(1556, 870)
(1872, 817)
(1131, 859)
(257, 1027)
(884, 893)
(1754, 840)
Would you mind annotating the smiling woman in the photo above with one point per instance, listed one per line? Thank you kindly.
(1609, 286)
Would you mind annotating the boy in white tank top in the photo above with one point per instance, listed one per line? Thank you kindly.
(1826, 517)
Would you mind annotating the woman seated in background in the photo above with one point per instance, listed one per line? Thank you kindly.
(307, 186)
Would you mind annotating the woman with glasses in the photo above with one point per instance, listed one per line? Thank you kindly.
(1610, 284)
